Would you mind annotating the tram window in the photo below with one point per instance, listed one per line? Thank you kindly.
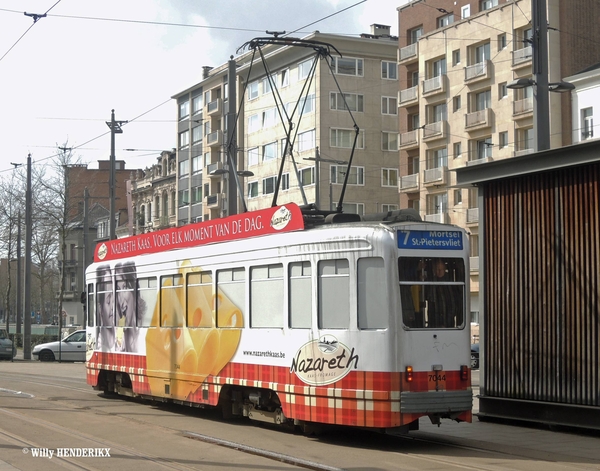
(90, 305)
(231, 296)
(266, 296)
(104, 300)
(146, 291)
(199, 300)
(300, 295)
(373, 300)
(334, 294)
(127, 305)
(171, 298)
(432, 292)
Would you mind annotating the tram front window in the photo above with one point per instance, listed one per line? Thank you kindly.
(432, 292)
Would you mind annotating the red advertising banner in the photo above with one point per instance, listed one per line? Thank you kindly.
(285, 218)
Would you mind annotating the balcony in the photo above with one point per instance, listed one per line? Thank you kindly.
(214, 201)
(408, 54)
(409, 96)
(478, 119)
(434, 85)
(214, 107)
(437, 217)
(472, 215)
(474, 263)
(409, 183)
(476, 160)
(435, 176)
(409, 140)
(212, 167)
(522, 57)
(520, 152)
(477, 72)
(523, 108)
(215, 139)
(434, 131)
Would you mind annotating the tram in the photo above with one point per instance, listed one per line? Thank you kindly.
(268, 316)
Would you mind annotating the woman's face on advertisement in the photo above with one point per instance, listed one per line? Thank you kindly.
(125, 297)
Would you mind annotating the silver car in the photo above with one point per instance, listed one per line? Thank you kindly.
(7, 348)
(72, 348)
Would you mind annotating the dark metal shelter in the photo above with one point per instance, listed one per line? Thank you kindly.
(539, 217)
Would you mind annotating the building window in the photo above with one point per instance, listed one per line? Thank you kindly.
(269, 118)
(345, 138)
(196, 164)
(503, 139)
(457, 149)
(285, 181)
(414, 34)
(501, 41)
(306, 140)
(389, 70)
(253, 156)
(457, 197)
(183, 198)
(483, 148)
(389, 141)
(184, 109)
(587, 123)
(487, 4)
(525, 139)
(389, 207)
(307, 176)
(253, 90)
(482, 100)
(465, 11)
(352, 100)
(389, 105)
(307, 104)
(438, 158)
(304, 69)
(252, 189)
(184, 168)
(347, 66)
(284, 78)
(253, 123)
(197, 104)
(197, 135)
(269, 185)
(266, 84)
(502, 90)
(353, 208)
(196, 194)
(445, 20)
(269, 152)
(438, 113)
(456, 103)
(389, 177)
(356, 176)
(456, 57)
(184, 139)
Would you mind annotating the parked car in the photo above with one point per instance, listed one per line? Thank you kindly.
(72, 348)
(474, 356)
(7, 348)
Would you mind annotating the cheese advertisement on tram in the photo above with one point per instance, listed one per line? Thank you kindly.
(355, 322)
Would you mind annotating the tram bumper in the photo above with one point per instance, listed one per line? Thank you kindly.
(442, 404)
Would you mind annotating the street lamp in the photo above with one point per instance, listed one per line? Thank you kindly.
(541, 113)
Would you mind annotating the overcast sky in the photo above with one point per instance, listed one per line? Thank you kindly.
(67, 71)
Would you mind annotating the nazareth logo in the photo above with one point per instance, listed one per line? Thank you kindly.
(102, 251)
(323, 361)
(280, 218)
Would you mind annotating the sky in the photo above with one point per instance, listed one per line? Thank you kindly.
(61, 76)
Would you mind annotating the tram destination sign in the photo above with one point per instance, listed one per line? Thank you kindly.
(430, 240)
(273, 220)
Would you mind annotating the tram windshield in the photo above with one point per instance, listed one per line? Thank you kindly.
(432, 292)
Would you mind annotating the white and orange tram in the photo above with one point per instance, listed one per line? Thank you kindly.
(356, 323)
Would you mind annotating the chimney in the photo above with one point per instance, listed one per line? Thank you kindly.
(205, 70)
(380, 30)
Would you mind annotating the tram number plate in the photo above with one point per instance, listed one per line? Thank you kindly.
(437, 380)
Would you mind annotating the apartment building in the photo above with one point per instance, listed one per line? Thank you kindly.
(456, 62)
(321, 134)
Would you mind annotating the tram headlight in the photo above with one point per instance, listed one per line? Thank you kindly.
(409, 373)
